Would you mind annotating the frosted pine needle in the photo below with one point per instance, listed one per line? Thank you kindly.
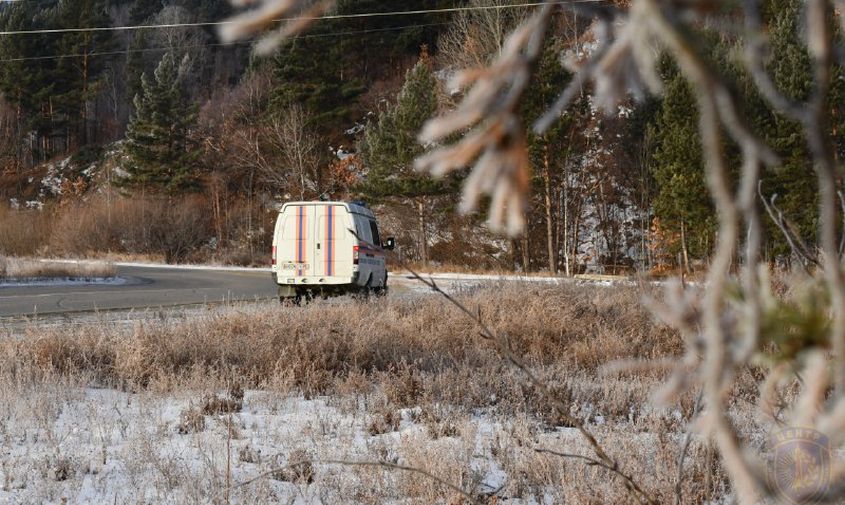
(496, 139)
(294, 15)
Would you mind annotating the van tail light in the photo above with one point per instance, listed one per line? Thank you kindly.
(356, 251)
(274, 255)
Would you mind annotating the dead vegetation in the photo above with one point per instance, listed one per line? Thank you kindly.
(408, 346)
(175, 231)
(403, 382)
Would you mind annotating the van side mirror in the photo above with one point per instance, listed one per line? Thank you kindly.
(389, 244)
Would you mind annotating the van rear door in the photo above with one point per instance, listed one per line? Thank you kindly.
(316, 242)
(334, 242)
(295, 253)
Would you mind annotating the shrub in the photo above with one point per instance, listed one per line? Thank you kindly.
(179, 228)
(23, 233)
(175, 229)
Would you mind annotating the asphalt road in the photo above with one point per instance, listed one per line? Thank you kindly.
(157, 287)
(144, 287)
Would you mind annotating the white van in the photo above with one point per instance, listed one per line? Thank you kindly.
(328, 249)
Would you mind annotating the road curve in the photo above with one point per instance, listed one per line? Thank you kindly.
(144, 287)
(159, 287)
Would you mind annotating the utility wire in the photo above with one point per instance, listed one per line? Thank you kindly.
(45, 31)
(219, 44)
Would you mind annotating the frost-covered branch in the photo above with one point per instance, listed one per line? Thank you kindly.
(294, 16)
(496, 143)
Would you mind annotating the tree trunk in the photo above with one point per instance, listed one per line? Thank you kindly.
(576, 238)
(83, 132)
(526, 258)
(249, 216)
(218, 221)
(301, 163)
(547, 200)
(645, 260)
(422, 234)
(566, 259)
(684, 248)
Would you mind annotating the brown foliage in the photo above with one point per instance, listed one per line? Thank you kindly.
(416, 349)
(22, 232)
(174, 228)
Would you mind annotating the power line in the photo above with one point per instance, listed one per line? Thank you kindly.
(46, 31)
(197, 46)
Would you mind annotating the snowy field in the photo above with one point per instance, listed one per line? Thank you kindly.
(391, 401)
(103, 446)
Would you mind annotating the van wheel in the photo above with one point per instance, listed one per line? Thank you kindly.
(380, 292)
(298, 299)
(361, 294)
(295, 301)
(303, 296)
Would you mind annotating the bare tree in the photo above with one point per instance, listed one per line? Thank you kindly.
(476, 36)
(237, 149)
(302, 153)
(280, 149)
(188, 43)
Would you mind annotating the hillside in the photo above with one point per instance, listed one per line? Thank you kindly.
(151, 107)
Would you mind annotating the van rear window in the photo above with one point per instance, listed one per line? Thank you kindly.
(374, 234)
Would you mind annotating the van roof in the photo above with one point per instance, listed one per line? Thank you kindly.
(354, 207)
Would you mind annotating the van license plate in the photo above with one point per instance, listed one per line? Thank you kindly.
(295, 266)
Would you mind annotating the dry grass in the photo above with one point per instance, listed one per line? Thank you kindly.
(401, 380)
(315, 348)
(22, 270)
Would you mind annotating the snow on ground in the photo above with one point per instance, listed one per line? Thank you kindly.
(445, 276)
(71, 445)
(63, 281)
(165, 266)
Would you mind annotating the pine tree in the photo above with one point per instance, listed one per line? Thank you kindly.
(135, 63)
(676, 160)
(78, 78)
(390, 146)
(550, 152)
(54, 94)
(329, 70)
(794, 180)
(681, 201)
(25, 81)
(161, 154)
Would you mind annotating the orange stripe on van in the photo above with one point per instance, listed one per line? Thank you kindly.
(328, 259)
(300, 239)
(332, 251)
(326, 249)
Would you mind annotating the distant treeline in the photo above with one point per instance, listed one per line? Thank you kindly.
(169, 112)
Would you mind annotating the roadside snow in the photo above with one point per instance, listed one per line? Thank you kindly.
(483, 277)
(606, 281)
(63, 281)
(163, 266)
